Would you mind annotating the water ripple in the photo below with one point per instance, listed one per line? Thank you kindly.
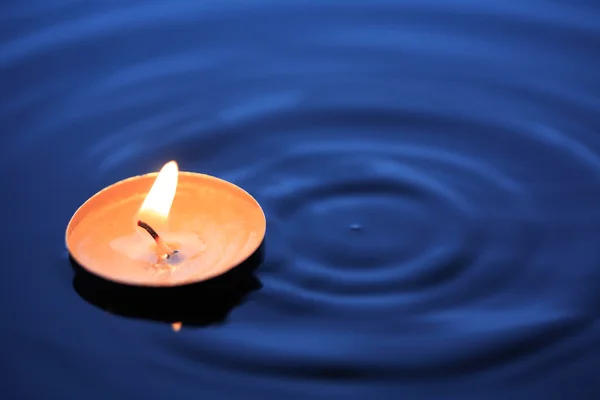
(429, 171)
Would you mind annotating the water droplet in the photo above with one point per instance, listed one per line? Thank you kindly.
(356, 227)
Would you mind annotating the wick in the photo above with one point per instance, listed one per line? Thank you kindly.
(159, 242)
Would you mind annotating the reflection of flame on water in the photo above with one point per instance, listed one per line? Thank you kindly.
(176, 326)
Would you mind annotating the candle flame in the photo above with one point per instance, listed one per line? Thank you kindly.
(157, 203)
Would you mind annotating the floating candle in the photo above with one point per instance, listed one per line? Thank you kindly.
(166, 229)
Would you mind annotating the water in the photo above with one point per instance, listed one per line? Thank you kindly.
(429, 170)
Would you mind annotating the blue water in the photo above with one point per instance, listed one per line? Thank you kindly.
(429, 169)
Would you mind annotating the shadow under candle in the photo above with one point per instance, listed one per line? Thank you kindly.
(200, 304)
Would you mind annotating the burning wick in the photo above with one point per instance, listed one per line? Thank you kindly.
(162, 246)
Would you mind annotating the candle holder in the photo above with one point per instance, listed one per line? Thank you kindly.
(167, 229)
(164, 245)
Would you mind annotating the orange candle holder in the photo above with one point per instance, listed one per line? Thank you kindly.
(165, 229)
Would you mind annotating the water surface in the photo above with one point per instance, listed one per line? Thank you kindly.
(429, 170)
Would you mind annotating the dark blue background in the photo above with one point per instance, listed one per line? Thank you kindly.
(429, 170)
